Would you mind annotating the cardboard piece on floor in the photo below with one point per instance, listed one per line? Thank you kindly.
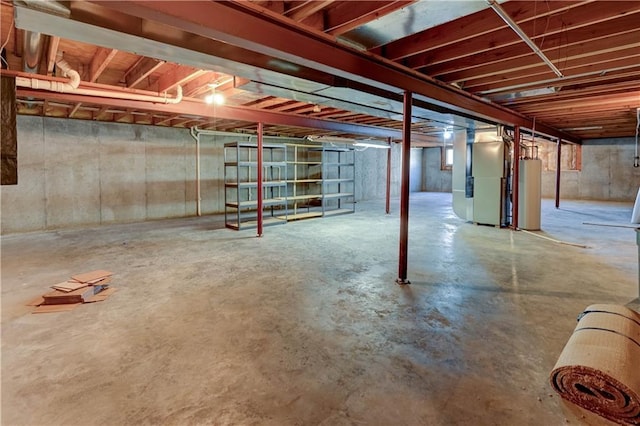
(91, 276)
(102, 296)
(68, 286)
(45, 309)
(57, 297)
(36, 302)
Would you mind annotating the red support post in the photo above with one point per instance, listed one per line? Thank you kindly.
(404, 190)
(259, 179)
(558, 166)
(516, 176)
(388, 197)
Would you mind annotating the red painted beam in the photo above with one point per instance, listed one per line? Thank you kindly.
(259, 179)
(388, 194)
(516, 177)
(404, 192)
(264, 32)
(558, 166)
(199, 108)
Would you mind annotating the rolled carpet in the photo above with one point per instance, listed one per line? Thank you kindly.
(599, 367)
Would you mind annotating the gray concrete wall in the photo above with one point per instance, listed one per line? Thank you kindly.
(434, 179)
(82, 173)
(607, 171)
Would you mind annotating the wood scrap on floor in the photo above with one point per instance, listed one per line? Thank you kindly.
(82, 288)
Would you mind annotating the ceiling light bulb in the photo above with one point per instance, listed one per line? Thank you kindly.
(447, 134)
(218, 99)
(214, 98)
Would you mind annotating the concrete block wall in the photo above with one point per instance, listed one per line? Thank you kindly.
(76, 173)
(607, 171)
(434, 179)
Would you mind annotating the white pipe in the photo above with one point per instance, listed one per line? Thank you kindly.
(516, 28)
(74, 81)
(196, 135)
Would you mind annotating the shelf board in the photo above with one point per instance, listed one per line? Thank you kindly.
(254, 203)
(305, 163)
(254, 164)
(300, 216)
(339, 195)
(304, 197)
(253, 145)
(273, 183)
(305, 181)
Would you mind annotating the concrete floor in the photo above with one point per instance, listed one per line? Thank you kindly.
(305, 326)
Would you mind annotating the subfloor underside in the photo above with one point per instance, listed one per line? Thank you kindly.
(305, 325)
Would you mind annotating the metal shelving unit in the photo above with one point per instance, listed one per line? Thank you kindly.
(320, 180)
(240, 185)
(338, 183)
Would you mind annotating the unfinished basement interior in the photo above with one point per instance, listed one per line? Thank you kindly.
(389, 212)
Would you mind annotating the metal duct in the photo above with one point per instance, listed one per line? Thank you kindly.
(32, 51)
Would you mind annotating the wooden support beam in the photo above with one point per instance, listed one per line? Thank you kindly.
(141, 70)
(100, 61)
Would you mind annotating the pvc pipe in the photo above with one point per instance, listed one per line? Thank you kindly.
(544, 237)
(196, 136)
(74, 81)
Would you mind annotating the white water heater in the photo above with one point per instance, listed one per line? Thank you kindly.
(530, 194)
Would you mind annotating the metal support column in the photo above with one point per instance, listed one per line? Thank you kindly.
(259, 179)
(404, 190)
(558, 165)
(516, 176)
(388, 198)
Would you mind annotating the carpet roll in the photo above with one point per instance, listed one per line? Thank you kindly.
(599, 367)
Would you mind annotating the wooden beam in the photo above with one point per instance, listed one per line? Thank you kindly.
(319, 53)
(141, 70)
(52, 51)
(177, 75)
(100, 61)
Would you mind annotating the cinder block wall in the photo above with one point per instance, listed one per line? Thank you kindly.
(75, 173)
(607, 171)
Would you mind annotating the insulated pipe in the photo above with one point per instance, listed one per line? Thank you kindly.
(388, 195)
(516, 28)
(404, 190)
(516, 175)
(558, 165)
(259, 179)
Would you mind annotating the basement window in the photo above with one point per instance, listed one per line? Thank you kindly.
(447, 157)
